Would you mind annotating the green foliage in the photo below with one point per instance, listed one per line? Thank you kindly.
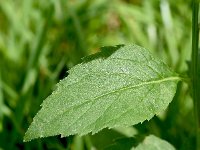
(152, 142)
(41, 40)
(122, 143)
(118, 87)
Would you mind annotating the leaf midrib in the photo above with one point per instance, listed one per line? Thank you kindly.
(126, 88)
(117, 90)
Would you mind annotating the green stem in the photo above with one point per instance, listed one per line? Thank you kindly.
(194, 73)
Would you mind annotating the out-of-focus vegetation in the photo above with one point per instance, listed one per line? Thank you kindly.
(41, 40)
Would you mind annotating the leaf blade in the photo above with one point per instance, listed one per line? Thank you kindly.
(152, 142)
(104, 92)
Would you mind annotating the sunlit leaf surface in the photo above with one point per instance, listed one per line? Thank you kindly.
(119, 86)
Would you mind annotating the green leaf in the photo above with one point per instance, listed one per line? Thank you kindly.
(119, 86)
(154, 143)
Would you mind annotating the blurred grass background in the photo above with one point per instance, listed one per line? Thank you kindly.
(41, 40)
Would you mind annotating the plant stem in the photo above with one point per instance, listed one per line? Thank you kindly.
(194, 73)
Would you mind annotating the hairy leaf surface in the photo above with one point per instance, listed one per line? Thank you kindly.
(119, 86)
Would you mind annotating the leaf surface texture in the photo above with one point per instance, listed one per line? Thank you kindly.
(119, 86)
